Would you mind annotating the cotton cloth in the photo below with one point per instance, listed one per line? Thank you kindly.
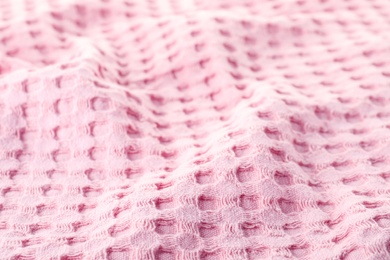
(195, 129)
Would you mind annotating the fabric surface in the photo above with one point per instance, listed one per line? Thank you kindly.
(172, 129)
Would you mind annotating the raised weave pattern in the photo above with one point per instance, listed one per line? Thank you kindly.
(197, 129)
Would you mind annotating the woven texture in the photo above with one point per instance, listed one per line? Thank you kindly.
(197, 129)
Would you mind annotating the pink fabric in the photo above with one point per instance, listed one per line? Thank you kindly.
(197, 129)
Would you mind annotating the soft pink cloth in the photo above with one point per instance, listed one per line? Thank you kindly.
(195, 129)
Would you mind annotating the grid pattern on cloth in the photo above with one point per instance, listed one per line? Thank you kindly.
(170, 129)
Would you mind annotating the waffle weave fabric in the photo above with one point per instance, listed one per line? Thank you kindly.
(196, 129)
